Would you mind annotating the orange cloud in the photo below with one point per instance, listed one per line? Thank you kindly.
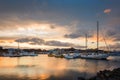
(107, 11)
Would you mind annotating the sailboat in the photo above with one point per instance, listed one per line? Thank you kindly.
(14, 53)
(98, 55)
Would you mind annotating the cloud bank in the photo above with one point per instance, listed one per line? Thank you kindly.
(38, 41)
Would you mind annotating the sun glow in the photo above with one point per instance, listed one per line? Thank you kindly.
(47, 32)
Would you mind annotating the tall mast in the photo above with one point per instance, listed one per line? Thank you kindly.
(86, 41)
(97, 36)
(18, 45)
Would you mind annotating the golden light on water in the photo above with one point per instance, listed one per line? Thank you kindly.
(6, 62)
(43, 67)
(44, 76)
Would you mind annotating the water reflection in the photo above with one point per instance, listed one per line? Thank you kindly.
(50, 68)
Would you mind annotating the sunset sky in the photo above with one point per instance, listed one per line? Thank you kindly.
(51, 24)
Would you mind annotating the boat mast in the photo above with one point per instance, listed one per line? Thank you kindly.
(86, 41)
(18, 45)
(97, 36)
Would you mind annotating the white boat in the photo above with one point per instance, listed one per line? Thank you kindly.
(18, 53)
(69, 56)
(98, 55)
(24, 53)
(114, 54)
(77, 55)
(72, 55)
(114, 58)
(11, 53)
(15, 55)
(6, 55)
(33, 54)
(94, 56)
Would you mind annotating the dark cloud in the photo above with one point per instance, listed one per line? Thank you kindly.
(18, 6)
(62, 44)
(117, 38)
(52, 26)
(76, 35)
(60, 11)
(16, 14)
(80, 28)
(13, 23)
(115, 46)
(72, 35)
(33, 41)
(114, 34)
(58, 43)
(23, 40)
(38, 41)
(113, 31)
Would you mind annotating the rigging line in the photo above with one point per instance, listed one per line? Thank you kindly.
(107, 46)
(103, 37)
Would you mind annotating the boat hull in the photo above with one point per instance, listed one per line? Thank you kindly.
(95, 56)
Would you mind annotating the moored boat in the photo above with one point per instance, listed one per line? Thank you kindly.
(101, 56)
(72, 55)
(68, 56)
(98, 55)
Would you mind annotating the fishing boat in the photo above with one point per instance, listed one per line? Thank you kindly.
(95, 55)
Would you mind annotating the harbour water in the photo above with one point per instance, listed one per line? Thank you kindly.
(43, 67)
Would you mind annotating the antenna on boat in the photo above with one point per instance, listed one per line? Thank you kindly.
(97, 36)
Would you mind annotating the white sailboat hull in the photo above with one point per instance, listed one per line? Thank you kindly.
(95, 56)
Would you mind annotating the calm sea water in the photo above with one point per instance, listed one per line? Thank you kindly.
(43, 67)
